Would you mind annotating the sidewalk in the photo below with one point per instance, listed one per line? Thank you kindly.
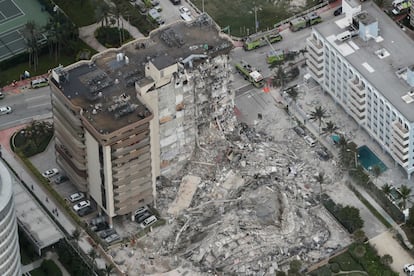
(87, 33)
(31, 183)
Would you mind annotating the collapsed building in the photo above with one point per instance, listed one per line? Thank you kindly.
(154, 121)
(128, 114)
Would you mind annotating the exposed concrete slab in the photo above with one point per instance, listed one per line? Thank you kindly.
(185, 194)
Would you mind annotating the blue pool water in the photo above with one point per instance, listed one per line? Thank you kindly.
(368, 159)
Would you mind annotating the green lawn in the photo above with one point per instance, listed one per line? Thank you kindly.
(240, 16)
(81, 12)
(368, 264)
(46, 62)
(47, 268)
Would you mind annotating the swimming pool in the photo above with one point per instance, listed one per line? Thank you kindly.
(368, 159)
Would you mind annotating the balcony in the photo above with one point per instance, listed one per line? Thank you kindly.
(356, 88)
(357, 101)
(317, 74)
(401, 130)
(314, 45)
(401, 158)
(312, 56)
(401, 148)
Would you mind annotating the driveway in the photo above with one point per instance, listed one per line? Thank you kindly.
(385, 243)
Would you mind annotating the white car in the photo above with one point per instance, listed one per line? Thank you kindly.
(309, 141)
(81, 205)
(409, 269)
(5, 110)
(50, 173)
(76, 196)
(185, 10)
(147, 222)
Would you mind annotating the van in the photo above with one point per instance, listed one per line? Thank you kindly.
(147, 222)
(309, 141)
(40, 82)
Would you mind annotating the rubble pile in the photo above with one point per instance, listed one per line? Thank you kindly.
(254, 209)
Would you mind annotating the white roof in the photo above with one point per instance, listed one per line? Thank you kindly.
(256, 76)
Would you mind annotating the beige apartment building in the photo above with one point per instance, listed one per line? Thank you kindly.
(128, 114)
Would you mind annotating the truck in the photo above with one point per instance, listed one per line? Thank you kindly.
(250, 74)
(303, 22)
(259, 40)
(401, 8)
(155, 16)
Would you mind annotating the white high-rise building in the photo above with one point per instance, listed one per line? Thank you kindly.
(366, 63)
(9, 240)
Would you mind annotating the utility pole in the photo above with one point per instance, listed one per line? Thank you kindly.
(202, 4)
(255, 18)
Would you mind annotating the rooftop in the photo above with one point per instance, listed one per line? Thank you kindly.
(377, 59)
(104, 88)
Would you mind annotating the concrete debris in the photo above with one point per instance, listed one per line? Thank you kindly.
(243, 200)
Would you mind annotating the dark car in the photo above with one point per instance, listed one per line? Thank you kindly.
(338, 11)
(61, 178)
(100, 226)
(323, 155)
(106, 233)
(85, 211)
(142, 216)
(176, 2)
(299, 131)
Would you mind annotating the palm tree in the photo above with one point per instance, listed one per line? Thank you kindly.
(31, 40)
(405, 194)
(376, 172)
(320, 179)
(318, 115)
(386, 259)
(76, 234)
(108, 269)
(93, 255)
(329, 128)
(102, 13)
(280, 77)
(293, 94)
(386, 188)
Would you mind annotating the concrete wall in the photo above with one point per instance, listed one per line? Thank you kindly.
(93, 167)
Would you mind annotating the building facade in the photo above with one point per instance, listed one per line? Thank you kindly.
(361, 59)
(127, 115)
(9, 239)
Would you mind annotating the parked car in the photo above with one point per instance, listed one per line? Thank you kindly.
(141, 210)
(309, 140)
(76, 196)
(176, 2)
(106, 233)
(61, 178)
(143, 216)
(149, 221)
(81, 205)
(85, 211)
(338, 11)
(112, 238)
(50, 173)
(185, 10)
(100, 226)
(409, 269)
(299, 131)
(323, 155)
(1, 96)
(5, 110)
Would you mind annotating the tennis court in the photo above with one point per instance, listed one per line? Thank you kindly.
(14, 14)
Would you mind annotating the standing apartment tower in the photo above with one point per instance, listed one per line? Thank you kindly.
(9, 239)
(365, 62)
(127, 116)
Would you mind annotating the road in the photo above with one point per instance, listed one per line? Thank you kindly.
(29, 105)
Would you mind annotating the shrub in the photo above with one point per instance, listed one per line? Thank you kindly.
(335, 267)
(111, 36)
(50, 268)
